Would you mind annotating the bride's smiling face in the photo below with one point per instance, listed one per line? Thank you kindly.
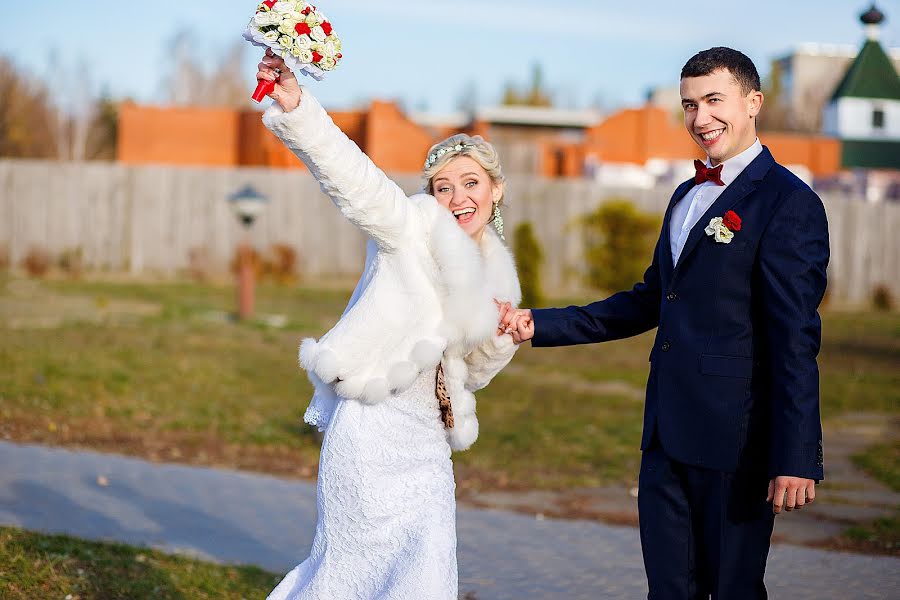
(467, 191)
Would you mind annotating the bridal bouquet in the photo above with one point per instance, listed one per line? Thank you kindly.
(298, 33)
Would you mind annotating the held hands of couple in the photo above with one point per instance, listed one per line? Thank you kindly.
(287, 88)
(788, 493)
(515, 321)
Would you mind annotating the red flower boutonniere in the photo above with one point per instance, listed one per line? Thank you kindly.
(723, 228)
(732, 221)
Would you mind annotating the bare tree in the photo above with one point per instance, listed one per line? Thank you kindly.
(228, 85)
(189, 84)
(26, 129)
(82, 112)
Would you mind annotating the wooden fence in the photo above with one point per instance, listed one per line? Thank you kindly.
(148, 220)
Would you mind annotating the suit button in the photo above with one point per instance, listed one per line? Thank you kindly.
(671, 296)
(665, 346)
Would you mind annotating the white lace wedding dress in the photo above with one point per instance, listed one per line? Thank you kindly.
(387, 512)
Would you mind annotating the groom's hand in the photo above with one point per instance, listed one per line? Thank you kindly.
(788, 493)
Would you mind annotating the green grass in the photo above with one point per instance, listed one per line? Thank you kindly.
(882, 535)
(182, 383)
(882, 461)
(34, 565)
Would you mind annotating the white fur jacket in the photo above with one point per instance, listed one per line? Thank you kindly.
(427, 290)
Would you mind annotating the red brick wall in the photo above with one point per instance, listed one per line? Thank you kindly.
(820, 154)
(393, 142)
(637, 135)
(181, 136)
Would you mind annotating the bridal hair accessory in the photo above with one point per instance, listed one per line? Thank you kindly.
(432, 158)
(497, 220)
(723, 228)
(298, 33)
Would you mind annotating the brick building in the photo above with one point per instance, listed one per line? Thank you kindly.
(546, 142)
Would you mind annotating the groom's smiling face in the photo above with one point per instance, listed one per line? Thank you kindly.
(719, 115)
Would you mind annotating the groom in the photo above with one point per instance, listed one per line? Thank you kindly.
(732, 432)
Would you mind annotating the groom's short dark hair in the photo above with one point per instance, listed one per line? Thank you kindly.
(737, 63)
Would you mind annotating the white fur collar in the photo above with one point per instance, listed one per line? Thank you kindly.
(474, 274)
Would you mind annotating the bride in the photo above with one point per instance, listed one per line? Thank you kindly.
(394, 378)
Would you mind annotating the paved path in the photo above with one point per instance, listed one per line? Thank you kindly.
(239, 517)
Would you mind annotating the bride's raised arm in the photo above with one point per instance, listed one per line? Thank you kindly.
(363, 193)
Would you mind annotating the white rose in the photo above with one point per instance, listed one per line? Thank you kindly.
(287, 27)
(261, 19)
(313, 19)
(303, 41)
(318, 47)
(318, 34)
(286, 42)
(329, 49)
(271, 36)
(283, 7)
(713, 225)
(724, 235)
(717, 228)
(304, 55)
(336, 41)
(327, 63)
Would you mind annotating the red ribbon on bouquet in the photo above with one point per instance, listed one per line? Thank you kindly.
(264, 87)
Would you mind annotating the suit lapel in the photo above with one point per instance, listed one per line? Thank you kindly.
(740, 188)
(665, 245)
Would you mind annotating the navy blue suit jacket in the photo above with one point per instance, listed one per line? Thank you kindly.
(733, 368)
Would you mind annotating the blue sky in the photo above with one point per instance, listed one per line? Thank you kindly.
(425, 53)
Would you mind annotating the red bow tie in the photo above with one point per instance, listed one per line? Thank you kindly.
(703, 174)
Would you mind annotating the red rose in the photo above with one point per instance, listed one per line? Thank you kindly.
(326, 27)
(302, 28)
(316, 56)
(732, 221)
(270, 3)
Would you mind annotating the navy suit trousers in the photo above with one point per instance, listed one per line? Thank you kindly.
(704, 532)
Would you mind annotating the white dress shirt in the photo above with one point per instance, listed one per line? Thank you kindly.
(686, 213)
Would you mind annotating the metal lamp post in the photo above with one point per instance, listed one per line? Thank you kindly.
(247, 204)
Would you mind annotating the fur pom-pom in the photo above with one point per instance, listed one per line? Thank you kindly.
(307, 353)
(352, 387)
(463, 404)
(327, 365)
(463, 434)
(427, 353)
(319, 360)
(401, 375)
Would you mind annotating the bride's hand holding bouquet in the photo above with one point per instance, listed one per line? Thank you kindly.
(298, 39)
(286, 88)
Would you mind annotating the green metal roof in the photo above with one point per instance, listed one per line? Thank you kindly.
(871, 75)
(870, 154)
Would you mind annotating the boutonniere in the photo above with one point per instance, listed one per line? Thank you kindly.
(723, 228)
